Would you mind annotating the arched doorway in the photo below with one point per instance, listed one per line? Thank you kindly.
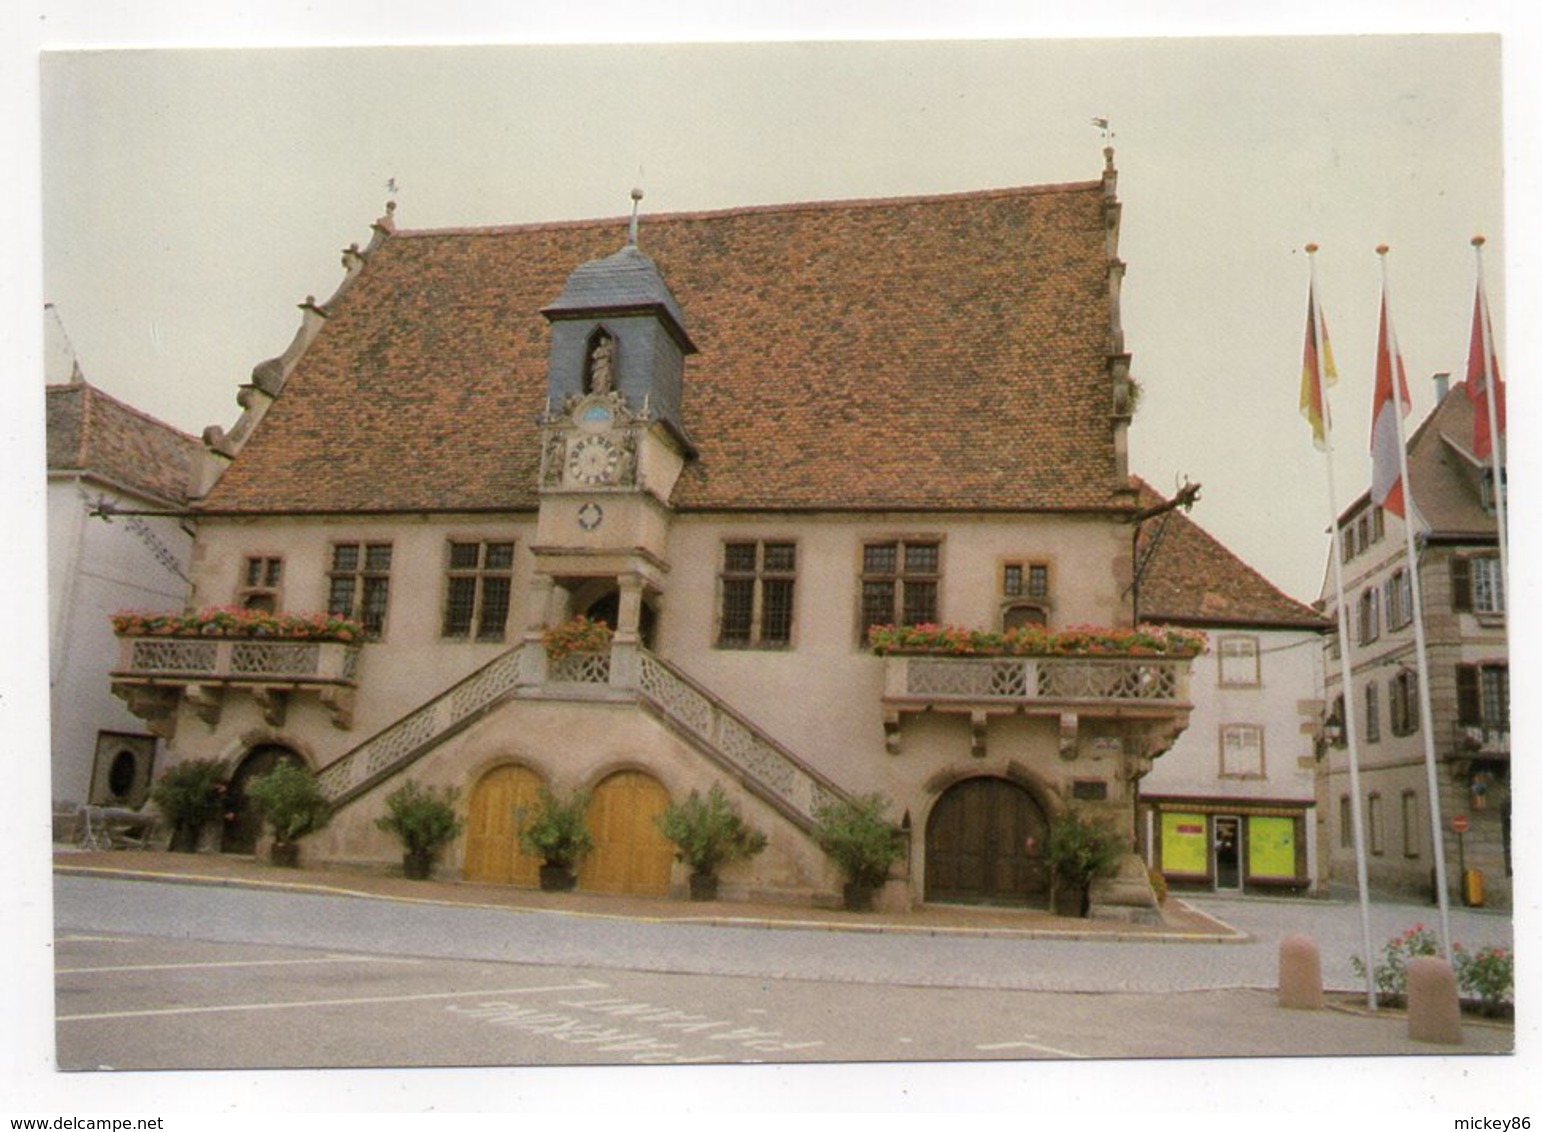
(630, 854)
(985, 845)
(608, 610)
(244, 823)
(492, 826)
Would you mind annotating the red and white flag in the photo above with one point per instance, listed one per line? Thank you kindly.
(1386, 477)
(1478, 379)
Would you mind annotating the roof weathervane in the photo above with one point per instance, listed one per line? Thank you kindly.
(631, 238)
(1103, 127)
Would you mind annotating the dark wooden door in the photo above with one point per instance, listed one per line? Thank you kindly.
(985, 845)
(244, 823)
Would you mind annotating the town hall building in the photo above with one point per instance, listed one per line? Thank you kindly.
(743, 440)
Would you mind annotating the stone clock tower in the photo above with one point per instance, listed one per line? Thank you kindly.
(612, 442)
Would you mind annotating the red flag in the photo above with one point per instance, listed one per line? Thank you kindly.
(1477, 380)
(1312, 379)
(1386, 474)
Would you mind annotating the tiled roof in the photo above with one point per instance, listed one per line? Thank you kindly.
(1447, 478)
(1194, 580)
(927, 353)
(92, 433)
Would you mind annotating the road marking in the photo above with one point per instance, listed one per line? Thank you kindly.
(1031, 1045)
(231, 963)
(174, 1011)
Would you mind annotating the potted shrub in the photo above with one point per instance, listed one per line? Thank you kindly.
(862, 843)
(425, 820)
(558, 834)
(1078, 851)
(293, 805)
(189, 796)
(708, 833)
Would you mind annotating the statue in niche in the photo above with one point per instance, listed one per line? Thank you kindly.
(602, 360)
(556, 451)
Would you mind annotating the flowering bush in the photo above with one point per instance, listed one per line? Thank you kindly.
(1487, 974)
(577, 635)
(232, 621)
(1391, 974)
(1034, 640)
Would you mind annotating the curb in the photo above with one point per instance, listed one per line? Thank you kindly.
(1231, 934)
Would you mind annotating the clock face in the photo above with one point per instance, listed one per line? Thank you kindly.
(593, 459)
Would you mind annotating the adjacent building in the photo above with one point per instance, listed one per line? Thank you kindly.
(108, 465)
(1233, 806)
(743, 440)
(1463, 597)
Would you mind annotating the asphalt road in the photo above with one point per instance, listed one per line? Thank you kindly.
(154, 975)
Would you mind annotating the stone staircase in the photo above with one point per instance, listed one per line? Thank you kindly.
(626, 673)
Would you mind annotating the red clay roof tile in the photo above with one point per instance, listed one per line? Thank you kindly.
(945, 353)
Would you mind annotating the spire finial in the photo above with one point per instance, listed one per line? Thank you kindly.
(637, 195)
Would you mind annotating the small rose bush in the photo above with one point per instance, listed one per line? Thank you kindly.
(1487, 975)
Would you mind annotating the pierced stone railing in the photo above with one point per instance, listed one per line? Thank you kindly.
(1083, 681)
(420, 730)
(210, 659)
(762, 764)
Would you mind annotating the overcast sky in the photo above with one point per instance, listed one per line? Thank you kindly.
(190, 199)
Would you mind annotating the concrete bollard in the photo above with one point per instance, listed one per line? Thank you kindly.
(1300, 973)
(1434, 1011)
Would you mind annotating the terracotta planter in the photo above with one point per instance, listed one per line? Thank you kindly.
(557, 878)
(417, 864)
(285, 854)
(858, 897)
(703, 886)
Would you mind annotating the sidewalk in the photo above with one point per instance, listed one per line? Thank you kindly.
(1184, 923)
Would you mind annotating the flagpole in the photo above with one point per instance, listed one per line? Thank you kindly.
(1426, 714)
(1351, 718)
(1491, 390)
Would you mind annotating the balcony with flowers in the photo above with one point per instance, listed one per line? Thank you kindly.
(1138, 675)
(167, 658)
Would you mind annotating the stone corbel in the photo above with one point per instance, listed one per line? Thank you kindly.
(891, 732)
(338, 700)
(157, 706)
(206, 701)
(977, 724)
(274, 703)
(1069, 725)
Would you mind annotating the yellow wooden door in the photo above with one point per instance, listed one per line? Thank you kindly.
(630, 854)
(492, 837)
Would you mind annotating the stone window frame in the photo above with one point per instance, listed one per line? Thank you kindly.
(1252, 653)
(470, 607)
(1372, 713)
(757, 579)
(361, 589)
(1411, 826)
(262, 581)
(901, 579)
(1256, 730)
